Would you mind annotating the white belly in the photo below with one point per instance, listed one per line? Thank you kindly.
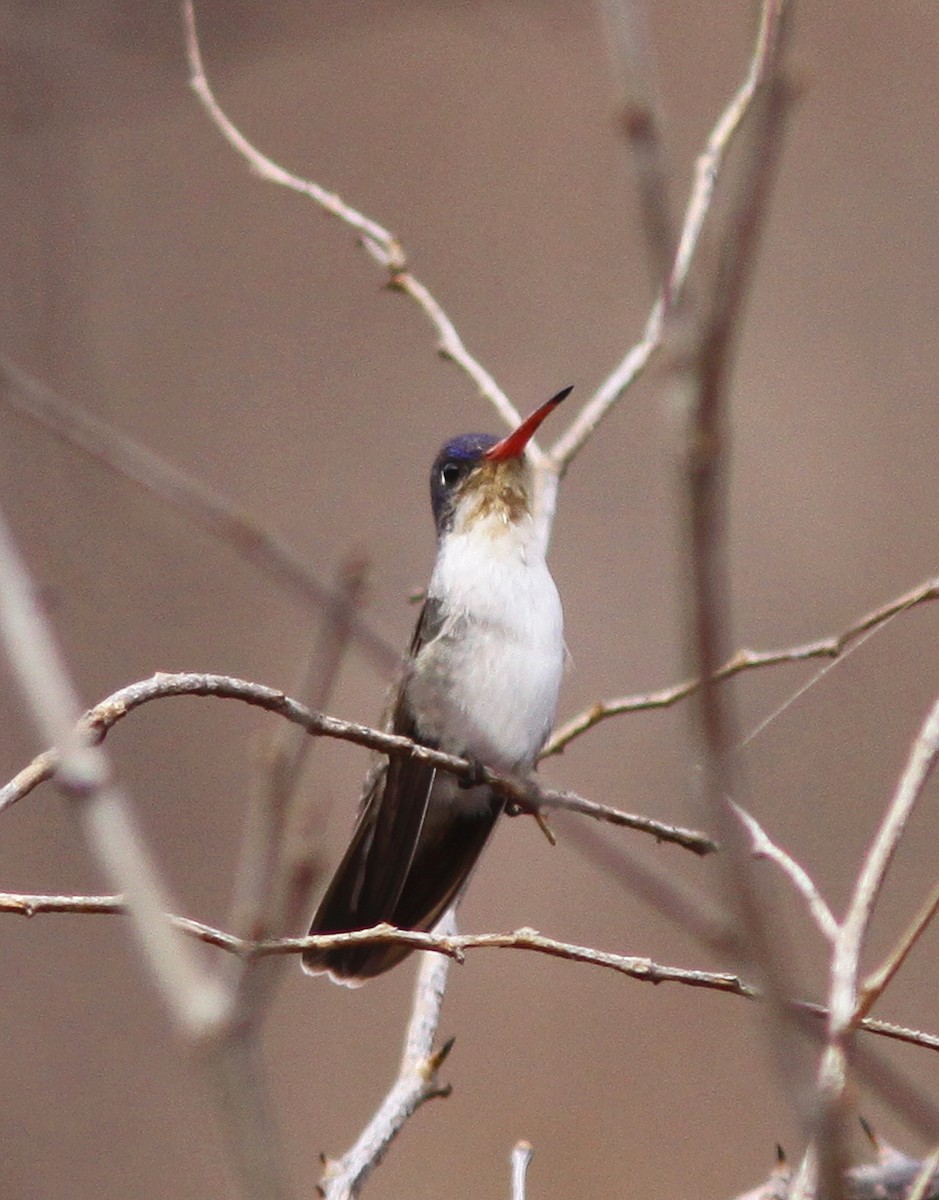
(486, 687)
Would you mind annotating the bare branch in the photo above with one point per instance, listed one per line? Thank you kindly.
(450, 946)
(453, 946)
(415, 1085)
(895, 1175)
(524, 793)
(380, 243)
(678, 835)
(707, 172)
(846, 964)
(764, 847)
(831, 647)
(875, 984)
(208, 509)
(83, 775)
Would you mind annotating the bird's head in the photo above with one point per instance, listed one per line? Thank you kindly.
(481, 478)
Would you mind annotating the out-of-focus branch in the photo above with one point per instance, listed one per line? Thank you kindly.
(707, 171)
(703, 334)
(206, 508)
(234, 1068)
(380, 243)
(832, 647)
(524, 793)
(690, 909)
(83, 775)
(275, 878)
(278, 871)
(638, 115)
(705, 338)
(198, 1002)
(415, 1085)
(926, 1184)
(895, 1176)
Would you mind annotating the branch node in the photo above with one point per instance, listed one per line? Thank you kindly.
(436, 1060)
(637, 123)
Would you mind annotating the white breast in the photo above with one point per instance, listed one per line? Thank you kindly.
(487, 685)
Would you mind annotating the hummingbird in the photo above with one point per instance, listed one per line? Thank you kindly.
(480, 681)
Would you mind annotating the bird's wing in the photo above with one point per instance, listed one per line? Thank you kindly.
(368, 882)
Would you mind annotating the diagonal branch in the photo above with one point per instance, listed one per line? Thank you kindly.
(83, 775)
(879, 979)
(380, 243)
(831, 647)
(764, 847)
(415, 1085)
(846, 964)
(707, 171)
(523, 793)
(211, 511)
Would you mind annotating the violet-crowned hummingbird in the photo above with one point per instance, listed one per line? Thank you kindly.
(481, 681)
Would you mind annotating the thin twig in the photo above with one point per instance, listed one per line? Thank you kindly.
(846, 961)
(524, 793)
(765, 847)
(415, 1085)
(689, 839)
(831, 647)
(707, 171)
(878, 980)
(380, 243)
(453, 947)
(449, 946)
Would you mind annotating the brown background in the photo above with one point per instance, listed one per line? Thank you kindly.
(230, 327)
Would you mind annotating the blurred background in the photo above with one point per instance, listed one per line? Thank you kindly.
(229, 326)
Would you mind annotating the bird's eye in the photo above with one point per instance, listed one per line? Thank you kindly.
(450, 472)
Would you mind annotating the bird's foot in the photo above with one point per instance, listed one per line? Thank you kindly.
(476, 776)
